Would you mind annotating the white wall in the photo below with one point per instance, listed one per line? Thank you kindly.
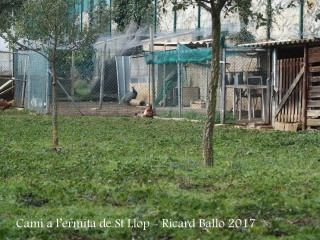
(3, 45)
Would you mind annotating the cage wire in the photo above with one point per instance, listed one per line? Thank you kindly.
(25, 80)
(6, 81)
(244, 66)
(94, 79)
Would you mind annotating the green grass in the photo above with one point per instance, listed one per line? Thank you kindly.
(148, 169)
(195, 115)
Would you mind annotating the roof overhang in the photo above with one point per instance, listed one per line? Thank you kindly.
(284, 43)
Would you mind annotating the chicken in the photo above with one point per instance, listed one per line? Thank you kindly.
(148, 112)
(130, 95)
(4, 104)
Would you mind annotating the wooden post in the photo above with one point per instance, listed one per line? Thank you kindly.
(304, 89)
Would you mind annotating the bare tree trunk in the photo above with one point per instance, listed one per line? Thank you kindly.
(207, 152)
(54, 107)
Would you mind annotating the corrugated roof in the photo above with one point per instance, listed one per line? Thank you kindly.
(288, 42)
(199, 43)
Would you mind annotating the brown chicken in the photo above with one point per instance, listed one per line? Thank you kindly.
(4, 104)
(148, 112)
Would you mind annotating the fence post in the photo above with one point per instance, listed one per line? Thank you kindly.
(164, 81)
(152, 71)
(102, 75)
(207, 81)
(223, 87)
(179, 88)
(274, 84)
(24, 81)
(305, 88)
(72, 73)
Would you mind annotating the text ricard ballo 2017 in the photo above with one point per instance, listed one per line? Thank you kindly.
(138, 223)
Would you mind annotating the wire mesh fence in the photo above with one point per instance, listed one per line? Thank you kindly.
(5, 63)
(93, 81)
(246, 77)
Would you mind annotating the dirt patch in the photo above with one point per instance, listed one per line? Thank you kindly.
(92, 108)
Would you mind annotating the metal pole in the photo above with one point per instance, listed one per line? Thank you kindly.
(81, 15)
(102, 75)
(152, 70)
(301, 19)
(199, 19)
(274, 84)
(223, 87)
(110, 20)
(164, 81)
(48, 85)
(207, 81)
(179, 88)
(23, 93)
(269, 16)
(155, 17)
(175, 18)
(149, 84)
(72, 73)
(269, 81)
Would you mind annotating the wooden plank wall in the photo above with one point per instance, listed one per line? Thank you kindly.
(288, 69)
(313, 104)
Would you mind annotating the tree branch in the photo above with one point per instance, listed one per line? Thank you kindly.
(220, 4)
(202, 3)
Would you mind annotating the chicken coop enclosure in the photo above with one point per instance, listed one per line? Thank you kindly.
(246, 84)
(25, 80)
(91, 81)
(174, 78)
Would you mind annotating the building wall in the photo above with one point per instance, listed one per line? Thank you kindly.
(285, 22)
(5, 59)
(3, 45)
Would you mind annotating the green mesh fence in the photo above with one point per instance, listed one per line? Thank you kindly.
(183, 54)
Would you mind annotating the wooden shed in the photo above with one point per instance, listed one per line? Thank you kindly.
(295, 85)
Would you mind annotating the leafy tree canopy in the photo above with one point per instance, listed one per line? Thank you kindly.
(7, 6)
(7, 11)
(50, 24)
(126, 11)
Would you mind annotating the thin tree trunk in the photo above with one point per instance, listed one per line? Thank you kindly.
(207, 153)
(54, 107)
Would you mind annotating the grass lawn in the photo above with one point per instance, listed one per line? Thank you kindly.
(132, 178)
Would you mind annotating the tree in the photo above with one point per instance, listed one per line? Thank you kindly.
(50, 27)
(7, 6)
(126, 11)
(214, 7)
(7, 11)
